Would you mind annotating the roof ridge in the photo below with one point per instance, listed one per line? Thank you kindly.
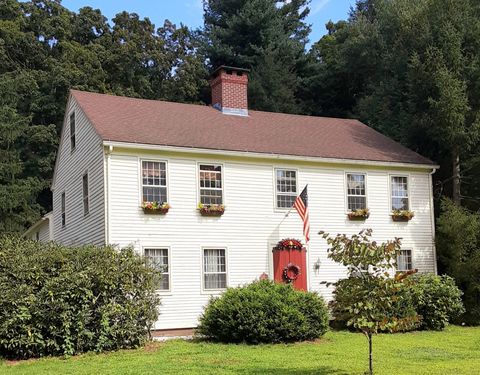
(209, 106)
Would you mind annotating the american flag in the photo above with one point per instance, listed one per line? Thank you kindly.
(301, 205)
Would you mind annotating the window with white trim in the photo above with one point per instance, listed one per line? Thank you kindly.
(72, 131)
(214, 269)
(400, 200)
(154, 181)
(356, 191)
(86, 205)
(404, 261)
(158, 259)
(64, 221)
(211, 187)
(286, 187)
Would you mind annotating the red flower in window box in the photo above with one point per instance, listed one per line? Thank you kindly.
(211, 209)
(402, 215)
(359, 214)
(155, 208)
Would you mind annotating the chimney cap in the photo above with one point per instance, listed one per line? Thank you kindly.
(231, 68)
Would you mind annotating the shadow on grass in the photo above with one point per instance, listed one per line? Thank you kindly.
(323, 370)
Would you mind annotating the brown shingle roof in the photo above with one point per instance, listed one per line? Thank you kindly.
(155, 122)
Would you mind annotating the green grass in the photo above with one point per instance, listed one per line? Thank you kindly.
(454, 351)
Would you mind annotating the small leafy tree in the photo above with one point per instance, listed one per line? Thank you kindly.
(371, 299)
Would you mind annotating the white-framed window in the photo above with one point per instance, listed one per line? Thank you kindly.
(211, 185)
(214, 269)
(72, 131)
(64, 218)
(154, 181)
(356, 191)
(404, 260)
(86, 205)
(158, 258)
(400, 199)
(286, 187)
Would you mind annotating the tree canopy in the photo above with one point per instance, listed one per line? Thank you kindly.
(408, 69)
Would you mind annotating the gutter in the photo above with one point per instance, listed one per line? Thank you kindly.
(248, 154)
(432, 220)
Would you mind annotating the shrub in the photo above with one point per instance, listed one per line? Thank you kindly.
(458, 247)
(437, 299)
(264, 312)
(58, 300)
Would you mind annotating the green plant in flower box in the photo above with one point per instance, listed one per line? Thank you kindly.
(155, 207)
(359, 214)
(402, 215)
(211, 209)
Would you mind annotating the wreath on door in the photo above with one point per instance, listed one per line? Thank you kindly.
(291, 272)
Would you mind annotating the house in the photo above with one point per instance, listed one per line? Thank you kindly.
(42, 230)
(116, 153)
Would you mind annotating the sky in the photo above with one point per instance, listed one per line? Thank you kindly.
(189, 12)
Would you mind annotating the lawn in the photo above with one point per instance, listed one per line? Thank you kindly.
(454, 351)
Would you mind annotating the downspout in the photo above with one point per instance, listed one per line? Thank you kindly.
(107, 194)
(432, 219)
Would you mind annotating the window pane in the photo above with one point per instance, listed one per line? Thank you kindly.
(158, 259)
(286, 185)
(154, 194)
(404, 260)
(154, 180)
(72, 130)
(215, 281)
(85, 194)
(357, 203)
(214, 269)
(400, 203)
(356, 184)
(285, 201)
(400, 193)
(210, 179)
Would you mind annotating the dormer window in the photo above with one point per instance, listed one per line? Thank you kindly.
(72, 131)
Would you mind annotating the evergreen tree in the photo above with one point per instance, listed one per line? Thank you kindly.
(266, 36)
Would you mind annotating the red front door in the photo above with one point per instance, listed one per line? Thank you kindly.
(290, 266)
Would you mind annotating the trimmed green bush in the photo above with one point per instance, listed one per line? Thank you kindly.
(437, 299)
(57, 300)
(264, 312)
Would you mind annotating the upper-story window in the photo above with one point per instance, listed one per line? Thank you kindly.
(404, 261)
(400, 200)
(211, 186)
(158, 259)
(286, 187)
(86, 205)
(356, 191)
(72, 131)
(64, 221)
(154, 181)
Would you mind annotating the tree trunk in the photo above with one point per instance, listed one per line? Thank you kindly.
(370, 359)
(456, 175)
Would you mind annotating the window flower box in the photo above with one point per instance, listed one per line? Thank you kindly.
(155, 208)
(402, 215)
(359, 214)
(211, 209)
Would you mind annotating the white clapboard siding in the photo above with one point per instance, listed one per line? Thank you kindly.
(88, 157)
(251, 225)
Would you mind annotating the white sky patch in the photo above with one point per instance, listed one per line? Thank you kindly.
(317, 6)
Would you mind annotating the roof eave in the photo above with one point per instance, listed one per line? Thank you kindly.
(144, 146)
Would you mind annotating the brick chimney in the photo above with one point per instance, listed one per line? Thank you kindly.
(229, 90)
